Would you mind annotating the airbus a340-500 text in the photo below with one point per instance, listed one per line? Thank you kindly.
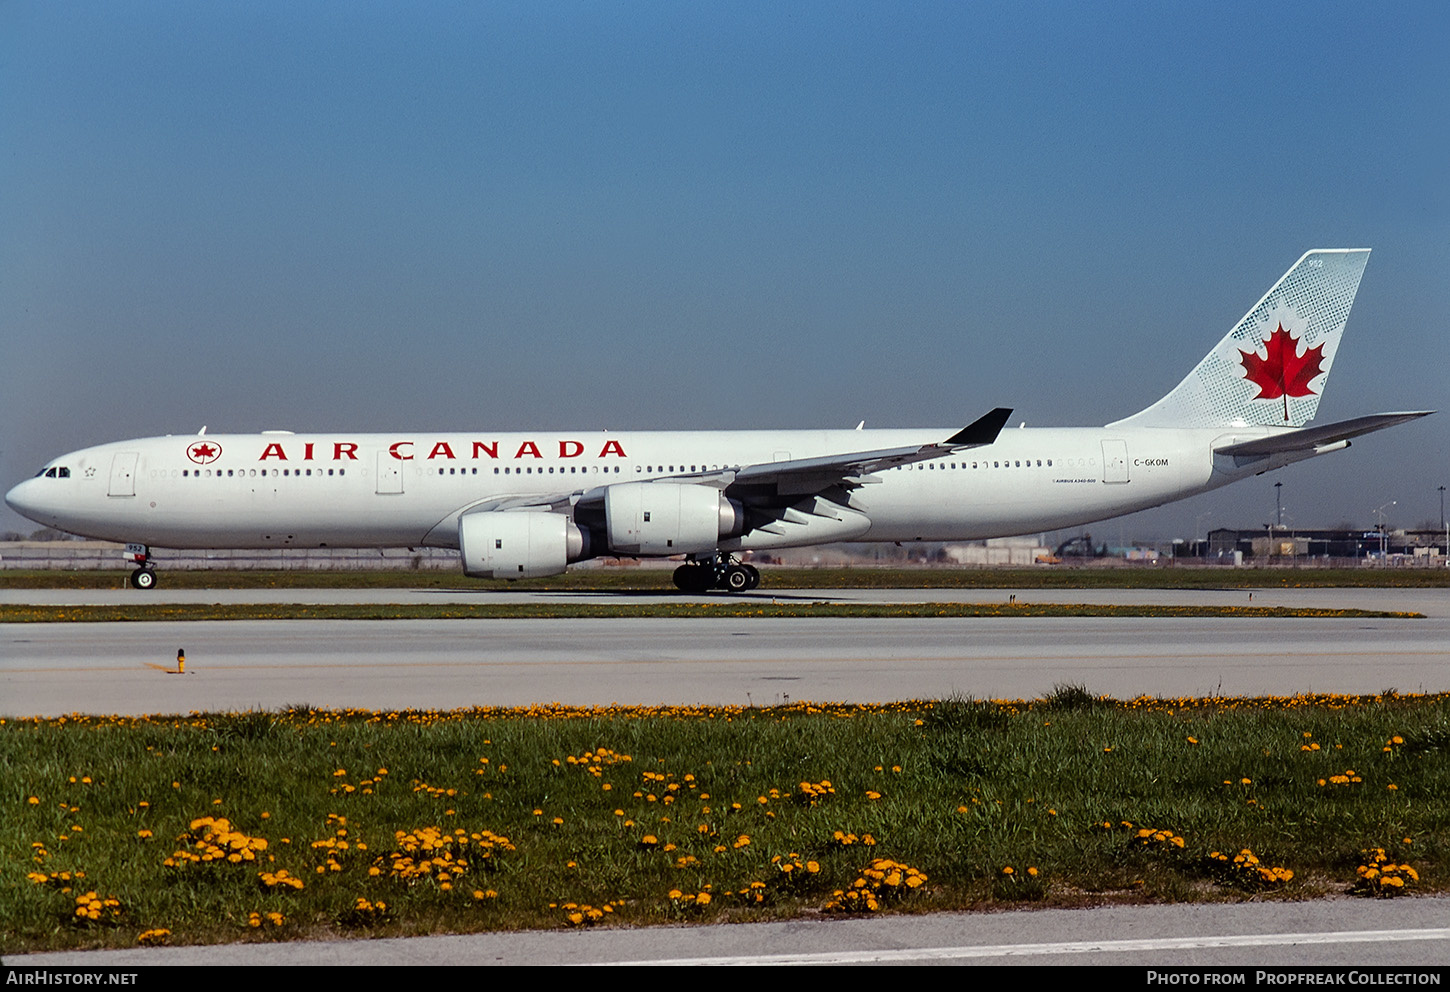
(525, 505)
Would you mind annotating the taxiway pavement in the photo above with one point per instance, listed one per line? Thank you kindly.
(51, 669)
(1341, 934)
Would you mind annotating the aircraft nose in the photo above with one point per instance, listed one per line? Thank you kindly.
(25, 499)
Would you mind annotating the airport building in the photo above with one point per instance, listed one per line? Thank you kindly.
(1223, 544)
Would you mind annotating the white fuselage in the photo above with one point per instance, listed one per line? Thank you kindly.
(408, 489)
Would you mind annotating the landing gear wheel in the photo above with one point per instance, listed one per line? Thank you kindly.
(693, 578)
(738, 578)
(143, 578)
(754, 576)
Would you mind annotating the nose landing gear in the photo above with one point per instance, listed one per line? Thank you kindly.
(144, 577)
(716, 572)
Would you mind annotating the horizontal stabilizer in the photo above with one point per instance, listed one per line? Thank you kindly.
(1309, 438)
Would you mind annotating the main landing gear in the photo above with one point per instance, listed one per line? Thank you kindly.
(144, 577)
(717, 572)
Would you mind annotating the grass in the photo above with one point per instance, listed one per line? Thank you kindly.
(653, 579)
(724, 608)
(551, 817)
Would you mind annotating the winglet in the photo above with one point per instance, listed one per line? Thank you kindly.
(982, 431)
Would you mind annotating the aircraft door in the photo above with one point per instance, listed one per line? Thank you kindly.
(1115, 461)
(123, 474)
(390, 473)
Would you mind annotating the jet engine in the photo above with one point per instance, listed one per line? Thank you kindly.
(669, 518)
(519, 544)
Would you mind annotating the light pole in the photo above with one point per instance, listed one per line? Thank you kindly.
(1442, 520)
(1278, 506)
(1203, 552)
(1384, 538)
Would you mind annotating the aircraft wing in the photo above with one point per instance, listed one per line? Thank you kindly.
(775, 483)
(1309, 438)
(558, 502)
(802, 476)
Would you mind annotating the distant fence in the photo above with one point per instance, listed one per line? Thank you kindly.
(1316, 561)
(92, 555)
(98, 555)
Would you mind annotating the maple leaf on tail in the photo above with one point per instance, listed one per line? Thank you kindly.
(1282, 372)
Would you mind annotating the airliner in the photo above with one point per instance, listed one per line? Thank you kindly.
(525, 505)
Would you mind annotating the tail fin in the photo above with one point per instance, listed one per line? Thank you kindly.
(1272, 367)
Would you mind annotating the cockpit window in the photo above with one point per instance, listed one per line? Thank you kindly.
(62, 473)
(54, 472)
(50, 472)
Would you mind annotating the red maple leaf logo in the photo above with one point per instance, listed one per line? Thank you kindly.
(1282, 372)
(204, 453)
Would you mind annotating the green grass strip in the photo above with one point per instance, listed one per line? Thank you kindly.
(309, 823)
(730, 609)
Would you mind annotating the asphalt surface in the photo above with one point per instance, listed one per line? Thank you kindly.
(1346, 934)
(51, 669)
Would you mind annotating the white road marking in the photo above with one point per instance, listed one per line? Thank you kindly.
(1065, 947)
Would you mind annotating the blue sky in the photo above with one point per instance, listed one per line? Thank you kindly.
(470, 216)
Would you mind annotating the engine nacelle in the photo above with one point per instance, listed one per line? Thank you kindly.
(668, 518)
(518, 544)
